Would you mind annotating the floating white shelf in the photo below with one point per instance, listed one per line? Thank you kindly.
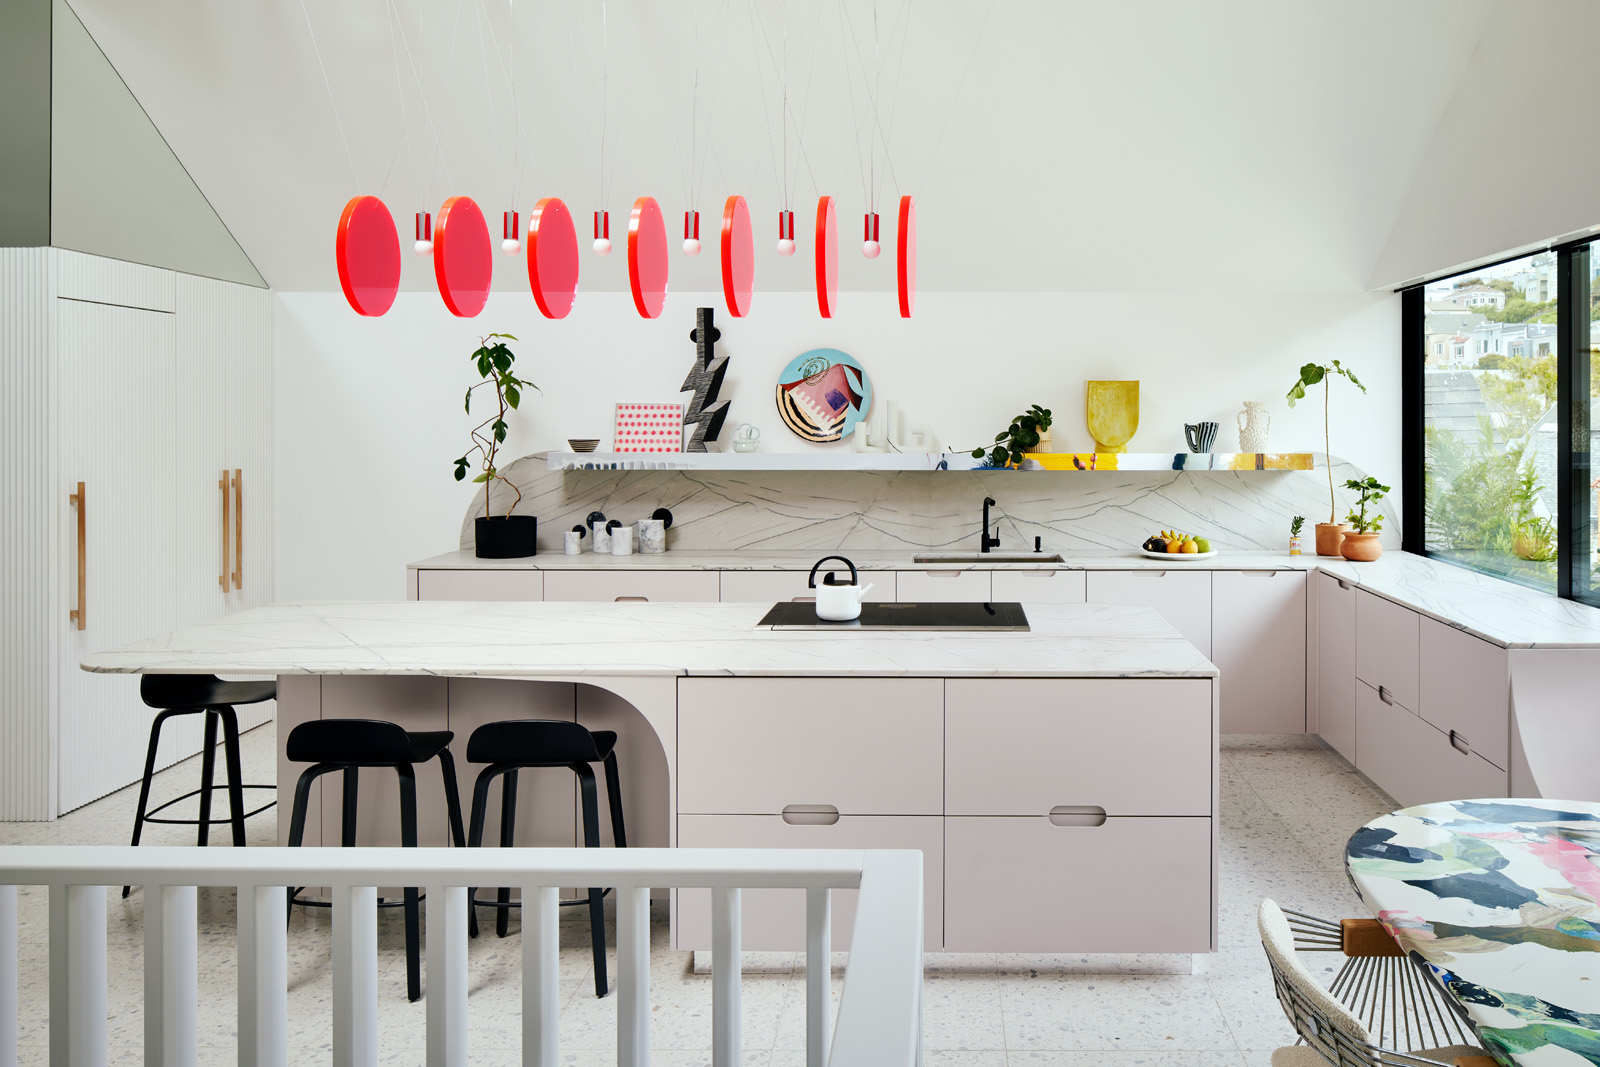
(924, 461)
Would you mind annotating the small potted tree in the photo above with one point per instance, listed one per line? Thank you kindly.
(1360, 543)
(505, 536)
(1295, 526)
(1328, 533)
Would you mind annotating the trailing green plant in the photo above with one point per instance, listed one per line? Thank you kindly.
(1311, 374)
(494, 361)
(1296, 524)
(1369, 491)
(1022, 435)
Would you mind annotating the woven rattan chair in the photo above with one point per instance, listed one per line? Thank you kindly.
(1378, 998)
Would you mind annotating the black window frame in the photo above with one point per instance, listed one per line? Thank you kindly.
(1574, 466)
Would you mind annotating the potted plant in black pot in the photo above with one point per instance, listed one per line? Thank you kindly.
(505, 536)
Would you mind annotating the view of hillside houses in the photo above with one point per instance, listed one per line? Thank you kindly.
(1491, 418)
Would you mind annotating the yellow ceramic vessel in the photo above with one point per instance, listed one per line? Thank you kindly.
(1112, 412)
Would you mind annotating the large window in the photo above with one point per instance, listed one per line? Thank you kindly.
(1500, 389)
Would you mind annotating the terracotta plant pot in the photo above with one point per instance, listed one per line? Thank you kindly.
(1329, 534)
(1360, 547)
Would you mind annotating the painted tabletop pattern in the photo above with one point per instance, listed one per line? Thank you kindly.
(1498, 897)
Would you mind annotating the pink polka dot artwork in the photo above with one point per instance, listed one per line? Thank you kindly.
(649, 428)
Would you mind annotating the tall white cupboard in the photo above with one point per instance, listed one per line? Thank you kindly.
(136, 489)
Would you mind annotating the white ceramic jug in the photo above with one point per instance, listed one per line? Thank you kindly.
(838, 601)
(1255, 424)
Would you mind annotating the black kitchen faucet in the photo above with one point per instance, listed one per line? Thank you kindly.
(987, 542)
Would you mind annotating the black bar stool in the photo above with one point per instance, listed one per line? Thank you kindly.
(195, 694)
(524, 743)
(347, 745)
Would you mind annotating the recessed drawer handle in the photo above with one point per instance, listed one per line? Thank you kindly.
(631, 600)
(810, 814)
(1460, 744)
(1342, 583)
(1040, 573)
(1077, 815)
(802, 600)
(942, 574)
(1149, 574)
(1383, 695)
(1259, 574)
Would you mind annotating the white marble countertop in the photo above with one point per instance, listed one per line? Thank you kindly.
(1491, 608)
(532, 640)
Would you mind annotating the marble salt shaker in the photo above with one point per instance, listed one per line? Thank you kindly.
(602, 538)
(622, 541)
(652, 536)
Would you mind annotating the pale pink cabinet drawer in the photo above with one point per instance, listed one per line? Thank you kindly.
(607, 586)
(1127, 885)
(1181, 597)
(770, 587)
(1336, 664)
(1045, 585)
(488, 584)
(775, 919)
(913, 587)
(1258, 642)
(863, 746)
(1466, 687)
(1387, 648)
(1129, 746)
(1412, 761)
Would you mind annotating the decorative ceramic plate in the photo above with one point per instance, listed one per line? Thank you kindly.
(823, 394)
(1181, 557)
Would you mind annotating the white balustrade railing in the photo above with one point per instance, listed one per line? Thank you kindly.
(879, 1022)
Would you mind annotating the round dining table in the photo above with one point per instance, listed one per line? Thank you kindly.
(1498, 899)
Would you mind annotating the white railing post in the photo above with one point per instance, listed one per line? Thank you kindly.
(263, 976)
(726, 1023)
(447, 976)
(8, 976)
(171, 976)
(633, 977)
(355, 976)
(77, 976)
(819, 966)
(880, 1011)
(541, 976)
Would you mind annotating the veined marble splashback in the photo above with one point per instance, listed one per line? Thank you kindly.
(1070, 510)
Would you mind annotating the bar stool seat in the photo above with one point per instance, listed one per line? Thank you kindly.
(518, 744)
(196, 694)
(347, 745)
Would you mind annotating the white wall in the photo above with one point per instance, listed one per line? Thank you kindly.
(369, 410)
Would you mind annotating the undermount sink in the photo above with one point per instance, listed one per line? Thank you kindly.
(990, 557)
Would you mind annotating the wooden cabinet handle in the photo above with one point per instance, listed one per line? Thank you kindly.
(238, 529)
(1077, 815)
(79, 613)
(227, 523)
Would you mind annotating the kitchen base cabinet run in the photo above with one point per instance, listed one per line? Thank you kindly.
(1026, 884)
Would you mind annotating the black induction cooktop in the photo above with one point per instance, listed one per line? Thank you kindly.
(877, 615)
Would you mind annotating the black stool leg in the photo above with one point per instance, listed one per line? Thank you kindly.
(144, 785)
(408, 839)
(480, 812)
(297, 821)
(597, 911)
(208, 767)
(230, 752)
(619, 836)
(452, 797)
(347, 812)
(508, 823)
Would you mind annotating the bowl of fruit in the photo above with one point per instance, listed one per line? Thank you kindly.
(1174, 545)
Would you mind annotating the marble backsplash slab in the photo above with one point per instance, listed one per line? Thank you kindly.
(1069, 510)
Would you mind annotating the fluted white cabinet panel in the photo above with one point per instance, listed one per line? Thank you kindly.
(118, 434)
(80, 276)
(29, 628)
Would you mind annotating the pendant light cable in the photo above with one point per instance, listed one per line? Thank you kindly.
(976, 41)
(315, 48)
(439, 156)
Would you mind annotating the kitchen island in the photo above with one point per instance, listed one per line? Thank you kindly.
(1061, 782)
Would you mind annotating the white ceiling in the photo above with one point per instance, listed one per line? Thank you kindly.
(1151, 145)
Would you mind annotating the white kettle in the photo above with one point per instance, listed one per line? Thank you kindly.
(838, 601)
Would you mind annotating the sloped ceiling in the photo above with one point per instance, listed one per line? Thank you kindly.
(1159, 145)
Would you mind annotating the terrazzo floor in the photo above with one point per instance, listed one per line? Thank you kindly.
(1288, 804)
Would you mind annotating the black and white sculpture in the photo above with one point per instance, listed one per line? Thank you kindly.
(705, 411)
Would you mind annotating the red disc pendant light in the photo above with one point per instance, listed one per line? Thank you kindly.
(907, 255)
(367, 250)
(738, 256)
(553, 257)
(647, 257)
(827, 258)
(463, 258)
